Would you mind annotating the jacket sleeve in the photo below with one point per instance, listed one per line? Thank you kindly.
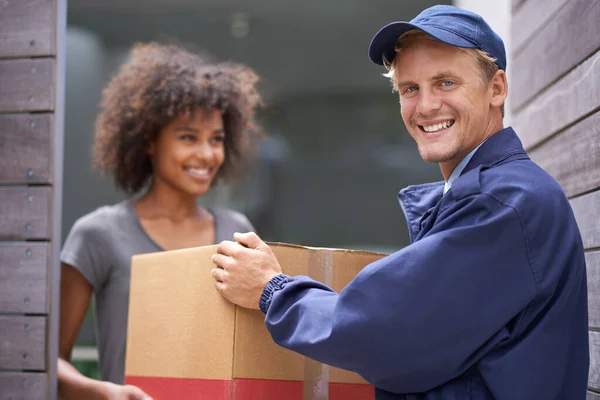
(423, 315)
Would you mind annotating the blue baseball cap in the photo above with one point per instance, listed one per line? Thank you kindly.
(448, 24)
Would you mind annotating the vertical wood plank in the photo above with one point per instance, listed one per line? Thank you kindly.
(58, 145)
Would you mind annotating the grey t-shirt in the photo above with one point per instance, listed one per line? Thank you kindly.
(100, 246)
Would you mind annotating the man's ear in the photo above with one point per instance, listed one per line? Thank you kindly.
(499, 88)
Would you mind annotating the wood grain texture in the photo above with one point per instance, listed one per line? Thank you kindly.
(592, 396)
(27, 28)
(25, 213)
(594, 375)
(23, 277)
(26, 148)
(574, 96)
(573, 156)
(23, 386)
(27, 85)
(556, 49)
(587, 213)
(592, 261)
(22, 343)
(530, 19)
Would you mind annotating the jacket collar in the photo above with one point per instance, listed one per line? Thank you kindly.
(416, 200)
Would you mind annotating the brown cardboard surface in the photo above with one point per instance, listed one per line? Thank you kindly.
(179, 326)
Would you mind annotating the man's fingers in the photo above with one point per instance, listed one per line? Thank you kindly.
(250, 240)
(220, 288)
(221, 260)
(218, 274)
(227, 247)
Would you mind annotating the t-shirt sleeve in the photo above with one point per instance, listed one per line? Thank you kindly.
(244, 224)
(230, 222)
(83, 250)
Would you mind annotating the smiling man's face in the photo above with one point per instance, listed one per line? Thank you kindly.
(446, 106)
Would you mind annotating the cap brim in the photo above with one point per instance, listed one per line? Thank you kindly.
(383, 44)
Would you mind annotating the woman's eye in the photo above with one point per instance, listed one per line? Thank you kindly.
(219, 139)
(187, 138)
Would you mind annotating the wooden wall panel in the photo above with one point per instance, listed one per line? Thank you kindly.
(22, 343)
(27, 28)
(25, 212)
(23, 386)
(26, 148)
(587, 212)
(573, 156)
(27, 85)
(592, 260)
(530, 19)
(564, 42)
(592, 396)
(23, 277)
(572, 98)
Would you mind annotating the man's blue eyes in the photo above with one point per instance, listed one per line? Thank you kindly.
(414, 88)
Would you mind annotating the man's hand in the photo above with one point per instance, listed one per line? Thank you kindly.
(123, 392)
(244, 269)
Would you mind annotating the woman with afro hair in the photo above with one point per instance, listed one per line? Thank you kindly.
(171, 126)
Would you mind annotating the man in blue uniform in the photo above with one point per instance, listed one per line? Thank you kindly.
(489, 301)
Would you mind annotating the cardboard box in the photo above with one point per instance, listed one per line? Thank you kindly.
(185, 341)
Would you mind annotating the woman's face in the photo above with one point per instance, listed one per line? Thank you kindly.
(189, 151)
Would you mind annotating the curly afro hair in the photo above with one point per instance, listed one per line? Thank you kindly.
(159, 83)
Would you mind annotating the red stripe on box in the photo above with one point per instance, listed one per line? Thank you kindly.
(265, 389)
(240, 389)
(349, 391)
(182, 388)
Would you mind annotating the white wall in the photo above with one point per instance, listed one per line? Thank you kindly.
(497, 14)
